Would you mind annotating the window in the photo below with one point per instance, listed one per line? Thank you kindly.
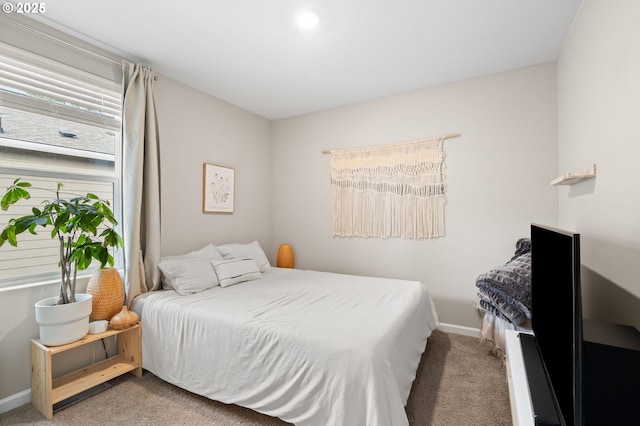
(58, 123)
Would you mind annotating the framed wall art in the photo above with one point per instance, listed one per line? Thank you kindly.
(218, 187)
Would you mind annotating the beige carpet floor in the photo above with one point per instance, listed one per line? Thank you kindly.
(458, 383)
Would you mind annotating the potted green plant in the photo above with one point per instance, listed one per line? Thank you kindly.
(84, 227)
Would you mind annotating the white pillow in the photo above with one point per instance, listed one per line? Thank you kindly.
(240, 251)
(208, 252)
(234, 271)
(190, 273)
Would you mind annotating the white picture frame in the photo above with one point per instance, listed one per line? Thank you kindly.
(218, 189)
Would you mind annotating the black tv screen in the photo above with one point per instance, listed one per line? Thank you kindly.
(556, 314)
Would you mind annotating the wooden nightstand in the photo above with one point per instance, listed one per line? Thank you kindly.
(46, 391)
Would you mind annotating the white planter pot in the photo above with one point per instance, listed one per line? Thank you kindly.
(62, 324)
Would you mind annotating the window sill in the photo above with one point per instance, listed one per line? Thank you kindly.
(82, 281)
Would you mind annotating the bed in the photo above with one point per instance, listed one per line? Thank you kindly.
(312, 348)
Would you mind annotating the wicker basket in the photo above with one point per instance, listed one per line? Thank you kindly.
(107, 289)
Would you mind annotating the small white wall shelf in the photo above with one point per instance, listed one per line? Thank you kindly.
(575, 177)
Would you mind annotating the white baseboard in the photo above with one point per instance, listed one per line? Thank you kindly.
(459, 329)
(15, 400)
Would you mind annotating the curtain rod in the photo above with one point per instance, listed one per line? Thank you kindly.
(449, 136)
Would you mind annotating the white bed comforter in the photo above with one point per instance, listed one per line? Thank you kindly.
(311, 348)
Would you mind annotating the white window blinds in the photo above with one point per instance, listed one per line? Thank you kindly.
(30, 82)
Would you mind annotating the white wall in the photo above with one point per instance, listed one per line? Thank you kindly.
(196, 128)
(17, 314)
(598, 116)
(498, 175)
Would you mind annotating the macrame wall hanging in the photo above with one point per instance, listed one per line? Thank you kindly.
(389, 191)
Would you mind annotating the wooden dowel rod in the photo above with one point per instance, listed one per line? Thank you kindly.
(449, 136)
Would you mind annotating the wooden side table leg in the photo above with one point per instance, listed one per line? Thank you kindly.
(130, 345)
(41, 385)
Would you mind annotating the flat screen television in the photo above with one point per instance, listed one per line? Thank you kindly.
(556, 315)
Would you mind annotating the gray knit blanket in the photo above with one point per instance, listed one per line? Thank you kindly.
(506, 291)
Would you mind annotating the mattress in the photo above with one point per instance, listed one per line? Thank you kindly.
(312, 348)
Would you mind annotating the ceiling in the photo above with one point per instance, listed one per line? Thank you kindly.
(249, 52)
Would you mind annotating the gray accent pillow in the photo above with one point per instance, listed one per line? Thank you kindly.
(241, 251)
(234, 271)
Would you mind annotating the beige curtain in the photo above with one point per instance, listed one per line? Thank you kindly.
(140, 181)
